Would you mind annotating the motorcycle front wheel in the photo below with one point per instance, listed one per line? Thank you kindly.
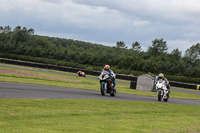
(159, 96)
(166, 98)
(102, 89)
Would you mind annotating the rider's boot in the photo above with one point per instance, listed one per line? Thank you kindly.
(114, 86)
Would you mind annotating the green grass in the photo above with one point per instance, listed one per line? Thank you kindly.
(100, 116)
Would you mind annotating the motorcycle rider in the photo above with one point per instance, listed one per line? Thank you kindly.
(161, 76)
(80, 73)
(112, 74)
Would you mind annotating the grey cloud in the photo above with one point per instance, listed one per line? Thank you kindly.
(108, 21)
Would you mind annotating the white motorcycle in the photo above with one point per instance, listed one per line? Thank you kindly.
(162, 91)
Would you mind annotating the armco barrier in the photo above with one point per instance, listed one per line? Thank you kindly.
(125, 77)
(183, 85)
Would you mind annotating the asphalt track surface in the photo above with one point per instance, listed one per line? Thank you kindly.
(28, 91)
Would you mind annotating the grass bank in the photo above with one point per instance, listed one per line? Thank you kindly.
(100, 116)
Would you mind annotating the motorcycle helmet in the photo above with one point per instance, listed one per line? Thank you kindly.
(161, 75)
(107, 67)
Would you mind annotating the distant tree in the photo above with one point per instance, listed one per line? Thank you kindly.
(176, 54)
(1, 29)
(172, 63)
(5, 34)
(136, 46)
(30, 31)
(196, 71)
(187, 69)
(121, 44)
(158, 46)
(5, 29)
(22, 34)
(193, 54)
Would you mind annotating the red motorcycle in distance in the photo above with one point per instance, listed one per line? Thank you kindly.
(81, 74)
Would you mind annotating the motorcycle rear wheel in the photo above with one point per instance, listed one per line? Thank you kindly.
(113, 93)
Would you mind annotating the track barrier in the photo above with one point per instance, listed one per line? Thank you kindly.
(133, 84)
(198, 86)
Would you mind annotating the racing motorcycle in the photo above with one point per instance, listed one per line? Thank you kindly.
(162, 91)
(81, 74)
(107, 86)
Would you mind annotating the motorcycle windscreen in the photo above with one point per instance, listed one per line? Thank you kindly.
(160, 81)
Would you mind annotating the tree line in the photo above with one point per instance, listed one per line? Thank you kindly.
(22, 41)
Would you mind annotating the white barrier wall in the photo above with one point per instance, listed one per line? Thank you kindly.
(145, 82)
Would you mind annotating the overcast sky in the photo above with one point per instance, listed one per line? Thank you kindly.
(108, 21)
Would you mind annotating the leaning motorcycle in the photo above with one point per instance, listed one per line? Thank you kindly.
(162, 91)
(81, 74)
(107, 86)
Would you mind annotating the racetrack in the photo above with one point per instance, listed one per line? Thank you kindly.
(29, 91)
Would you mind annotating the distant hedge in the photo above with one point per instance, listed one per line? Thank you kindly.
(183, 79)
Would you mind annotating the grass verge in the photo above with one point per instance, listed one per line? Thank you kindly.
(91, 116)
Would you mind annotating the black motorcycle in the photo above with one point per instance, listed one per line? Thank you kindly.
(107, 86)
